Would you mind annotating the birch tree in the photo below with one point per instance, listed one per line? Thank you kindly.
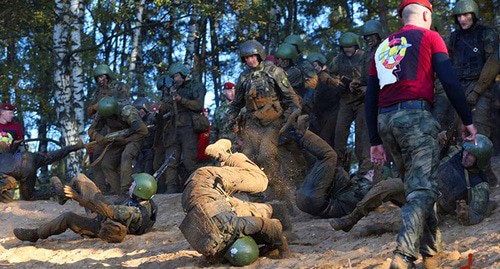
(68, 76)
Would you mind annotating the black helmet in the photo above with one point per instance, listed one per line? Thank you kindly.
(252, 47)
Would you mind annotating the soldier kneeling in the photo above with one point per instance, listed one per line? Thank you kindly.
(219, 225)
(136, 215)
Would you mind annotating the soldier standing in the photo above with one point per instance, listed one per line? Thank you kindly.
(474, 52)
(348, 66)
(119, 133)
(398, 99)
(180, 104)
(264, 90)
(107, 86)
(144, 161)
(136, 215)
(220, 127)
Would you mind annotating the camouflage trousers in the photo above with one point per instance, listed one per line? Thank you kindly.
(391, 189)
(410, 135)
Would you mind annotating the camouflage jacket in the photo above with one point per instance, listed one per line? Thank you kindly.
(129, 118)
(348, 69)
(220, 125)
(266, 82)
(116, 89)
(193, 97)
(139, 217)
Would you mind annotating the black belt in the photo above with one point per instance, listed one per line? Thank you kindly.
(412, 104)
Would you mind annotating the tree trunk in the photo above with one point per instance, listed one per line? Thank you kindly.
(136, 57)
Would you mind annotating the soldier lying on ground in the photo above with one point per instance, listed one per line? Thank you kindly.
(20, 169)
(327, 190)
(463, 185)
(219, 225)
(136, 215)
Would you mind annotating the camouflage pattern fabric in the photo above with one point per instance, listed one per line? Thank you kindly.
(411, 138)
(220, 125)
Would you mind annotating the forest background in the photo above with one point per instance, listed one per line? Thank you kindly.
(48, 49)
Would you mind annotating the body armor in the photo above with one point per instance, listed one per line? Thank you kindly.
(467, 52)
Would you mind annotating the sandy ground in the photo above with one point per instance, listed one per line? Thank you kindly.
(317, 245)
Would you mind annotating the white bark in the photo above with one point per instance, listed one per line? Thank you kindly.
(192, 35)
(136, 42)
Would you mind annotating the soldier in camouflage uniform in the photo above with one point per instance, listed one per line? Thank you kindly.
(179, 104)
(215, 219)
(474, 49)
(348, 65)
(286, 58)
(220, 127)
(20, 168)
(326, 191)
(264, 90)
(326, 99)
(107, 86)
(400, 91)
(119, 134)
(461, 182)
(136, 215)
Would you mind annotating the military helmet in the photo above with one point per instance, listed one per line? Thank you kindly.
(297, 42)
(243, 251)
(252, 47)
(107, 107)
(287, 51)
(141, 103)
(164, 81)
(349, 39)
(372, 27)
(178, 68)
(482, 150)
(466, 6)
(103, 69)
(316, 57)
(145, 185)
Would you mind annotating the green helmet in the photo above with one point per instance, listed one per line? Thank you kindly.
(103, 69)
(178, 68)
(482, 151)
(297, 42)
(466, 6)
(164, 81)
(107, 107)
(373, 27)
(243, 251)
(252, 47)
(349, 39)
(145, 185)
(287, 51)
(316, 57)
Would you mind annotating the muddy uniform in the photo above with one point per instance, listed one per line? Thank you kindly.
(220, 125)
(327, 191)
(351, 109)
(144, 161)
(116, 89)
(23, 167)
(178, 136)
(215, 219)
(269, 99)
(114, 158)
(326, 107)
(137, 217)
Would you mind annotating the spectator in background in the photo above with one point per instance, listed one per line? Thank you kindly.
(204, 141)
(7, 125)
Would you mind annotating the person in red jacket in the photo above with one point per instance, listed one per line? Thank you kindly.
(7, 125)
(203, 141)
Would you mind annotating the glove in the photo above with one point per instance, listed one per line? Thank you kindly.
(472, 98)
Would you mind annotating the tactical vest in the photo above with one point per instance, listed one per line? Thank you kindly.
(148, 219)
(259, 90)
(467, 49)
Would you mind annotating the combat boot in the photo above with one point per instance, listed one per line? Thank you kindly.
(400, 261)
(59, 190)
(26, 234)
(219, 150)
(346, 222)
(431, 262)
